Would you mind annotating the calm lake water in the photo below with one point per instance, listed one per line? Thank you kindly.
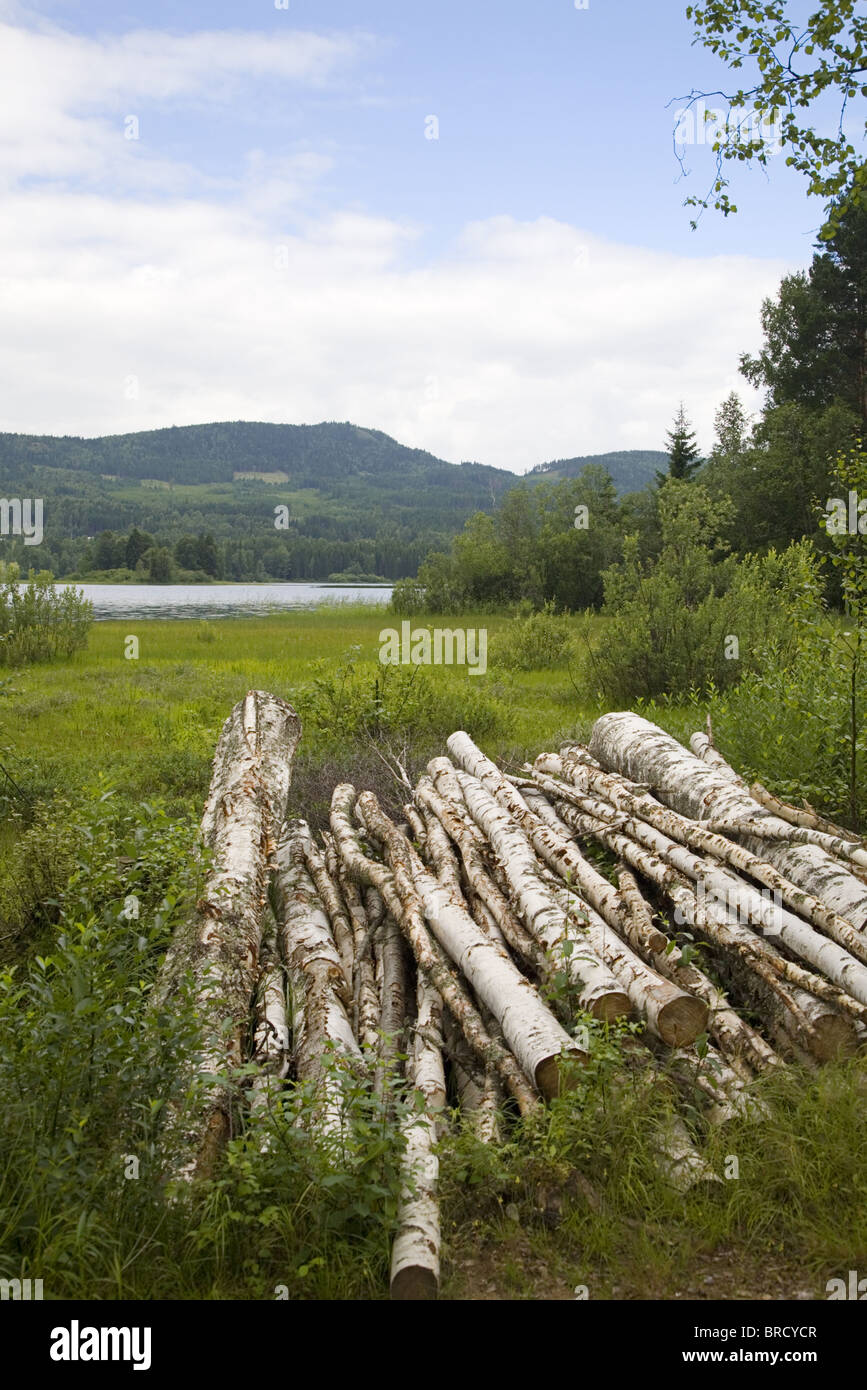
(219, 600)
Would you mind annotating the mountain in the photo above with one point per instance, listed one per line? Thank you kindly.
(352, 498)
(630, 469)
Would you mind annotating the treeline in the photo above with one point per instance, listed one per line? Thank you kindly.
(562, 543)
(261, 554)
(214, 453)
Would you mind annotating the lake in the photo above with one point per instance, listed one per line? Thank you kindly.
(220, 600)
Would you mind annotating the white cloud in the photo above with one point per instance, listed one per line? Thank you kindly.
(65, 97)
(510, 355)
(230, 297)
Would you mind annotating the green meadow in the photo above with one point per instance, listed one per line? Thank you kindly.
(147, 726)
(107, 761)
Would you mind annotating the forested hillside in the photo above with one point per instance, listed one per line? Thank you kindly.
(630, 469)
(205, 500)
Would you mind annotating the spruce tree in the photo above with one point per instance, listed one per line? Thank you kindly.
(684, 457)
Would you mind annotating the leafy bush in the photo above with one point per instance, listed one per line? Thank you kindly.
(360, 700)
(697, 617)
(38, 621)
(533, 643)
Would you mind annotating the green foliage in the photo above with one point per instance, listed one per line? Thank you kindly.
(814, 329)
(544, 544)
(360, 700)
(798, 63)
(696, 617)
(538, 642)
(684, 456)
(37, 621)
(804, 718)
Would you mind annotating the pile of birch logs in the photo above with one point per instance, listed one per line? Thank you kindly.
(437, 943)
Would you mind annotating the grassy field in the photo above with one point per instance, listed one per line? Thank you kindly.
(149, 725)
(110, 759)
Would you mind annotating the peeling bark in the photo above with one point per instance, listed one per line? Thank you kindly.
(530, 1029)
(327, 1052)
(216, 953)
(415, 1256)
(600, 992)
(410, 918)
(614, 789)
(469, 842)
(626, 743)
(271, 1033)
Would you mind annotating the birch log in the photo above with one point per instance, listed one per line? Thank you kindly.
(704, 749)
(743, 1046)
(626, 743)
(821, 1026)
(332, 900)
(601, 994)
(216, 953)
(530, 1029)
(739, 897)
(479, 1093)
(796, 815)
(327, 1051)
(394, 989)
(428, 954)
(548, 769)
(365, 997)
(457, 823)
(271, 1035)
(415, 1255)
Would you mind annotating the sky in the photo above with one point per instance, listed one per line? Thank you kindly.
(458, 222)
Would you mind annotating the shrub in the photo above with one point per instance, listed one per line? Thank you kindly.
(697, 617)
(540, 641)
(38, 621)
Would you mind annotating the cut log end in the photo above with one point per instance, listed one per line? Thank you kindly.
(682, 1020)
(610, 1006)
(832, 1035)
(552, 1077)
(415, 1284)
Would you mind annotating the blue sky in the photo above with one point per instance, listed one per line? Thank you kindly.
(283, 241)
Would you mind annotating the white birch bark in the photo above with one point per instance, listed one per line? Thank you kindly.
(415, 1255)
(216, 953)
(332, 900)
(672, 1012)
(677, 1157)
(626, 743)
(529, 1028)
(745, 1049)
(610, 787)
(797, 815)
(327, 1052)
(471, 846)
(365, 996)
(640, 913)
(821, 1026)
(720, 1084)
(600, 992)
(271, 1034)
(395, 988)
(409, 914)
(704, 749)
(740, 898)
(479, 1093)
